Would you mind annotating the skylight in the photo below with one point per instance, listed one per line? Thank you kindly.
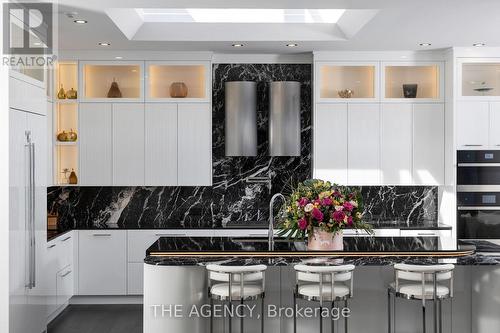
(239, 15)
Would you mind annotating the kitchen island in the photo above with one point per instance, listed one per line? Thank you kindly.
(174, 274)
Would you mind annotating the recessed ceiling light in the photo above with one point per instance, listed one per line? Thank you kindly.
(292, 44)
(80, 21)
(237, 45)
(478, 44)
(104, 44)
(118, 57)
(425, 44)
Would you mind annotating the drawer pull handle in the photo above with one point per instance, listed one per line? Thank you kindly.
(51, 246)
(472, 145)
(102, 235)
(66, 274)
(170, 235)
(426, 234)
(65, 239)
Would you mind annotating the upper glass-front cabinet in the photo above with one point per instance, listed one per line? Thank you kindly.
(412, 81)
(356, 81)
(117, 81)
(177, 81)
(481, 79)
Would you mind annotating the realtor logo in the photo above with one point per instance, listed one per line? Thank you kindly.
(27, 28)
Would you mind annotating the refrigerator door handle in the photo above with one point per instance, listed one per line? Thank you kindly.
(33, 230)
(27, 220)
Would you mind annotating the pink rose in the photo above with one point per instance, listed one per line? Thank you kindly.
(336, 194)
(317, 214)
(338, 216)
(317, 202)
(349, 221)
(302, 224)
(348, 206)
(327, 201)
(303, 202)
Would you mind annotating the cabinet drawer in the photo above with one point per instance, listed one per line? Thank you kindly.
(65, 250)
(135, 281)
(420, 233)
(102, 259)
(65, 283)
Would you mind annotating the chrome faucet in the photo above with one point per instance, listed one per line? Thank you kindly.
(270, 234)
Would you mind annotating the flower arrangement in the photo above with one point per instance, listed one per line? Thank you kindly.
(316, 204)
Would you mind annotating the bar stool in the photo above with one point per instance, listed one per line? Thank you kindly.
(323, 284)
(419, 282)
(236, 283)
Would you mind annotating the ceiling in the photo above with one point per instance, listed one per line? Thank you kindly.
(393, 25)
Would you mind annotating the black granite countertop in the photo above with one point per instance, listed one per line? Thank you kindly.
(185, 251)
(378, 225)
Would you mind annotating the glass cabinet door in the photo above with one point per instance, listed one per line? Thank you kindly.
(481, 79)
(347, 81)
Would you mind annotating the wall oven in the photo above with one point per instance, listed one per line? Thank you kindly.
(478, 194)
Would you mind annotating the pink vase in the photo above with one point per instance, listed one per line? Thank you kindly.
(325, 241)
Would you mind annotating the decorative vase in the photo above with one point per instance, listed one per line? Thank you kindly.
(410, 90)
(346, 93)
(62, 136)
(71, 94)
(325, 241)
(61, 94)
(114, 90)
(73, 179)
(72, 136)
(178, 90)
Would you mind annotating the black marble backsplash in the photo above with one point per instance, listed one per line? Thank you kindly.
(196, 207)
(231, 201)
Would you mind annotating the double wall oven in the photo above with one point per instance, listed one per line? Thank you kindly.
(478, 194)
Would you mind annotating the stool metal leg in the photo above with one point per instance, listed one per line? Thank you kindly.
(389, 311)
(345, 319)
(333, 321)
(262, 311)
(435, 315)
(230, 329)
(320, 319)
(241, 319)
(440, 316)
(423, 317)
(294, 314)
(211, 315)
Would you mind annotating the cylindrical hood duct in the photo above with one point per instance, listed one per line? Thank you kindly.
(241, 118)
(284, 118)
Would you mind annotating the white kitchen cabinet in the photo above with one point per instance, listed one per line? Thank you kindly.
(495, 124)
(363, 144)
(25, 96)
(128, 144)
(396, 144)
(135, 281)
(330, 143)
(51, 265)
(102, 260)
(161, 144)
(428, 144)
(95, 144)
(473, 124)
(194, 144)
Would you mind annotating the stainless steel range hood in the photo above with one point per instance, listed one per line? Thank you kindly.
(284, 118)
(241, 118)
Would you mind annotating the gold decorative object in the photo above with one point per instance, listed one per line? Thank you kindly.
(61, 94)
(51, 221)
(178, 90)
(346, 93)
(72, 136)
(114, 90)
(73, 179)
(71, 94)
(62, 136)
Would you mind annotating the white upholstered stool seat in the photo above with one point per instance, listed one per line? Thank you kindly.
(313, 290)
(249, 291)
(414, 290)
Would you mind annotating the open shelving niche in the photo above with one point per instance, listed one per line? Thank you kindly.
(426, 76)
(65, 119)
(97, 78)
(480, 79)
(361, 78)
(161, 75)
